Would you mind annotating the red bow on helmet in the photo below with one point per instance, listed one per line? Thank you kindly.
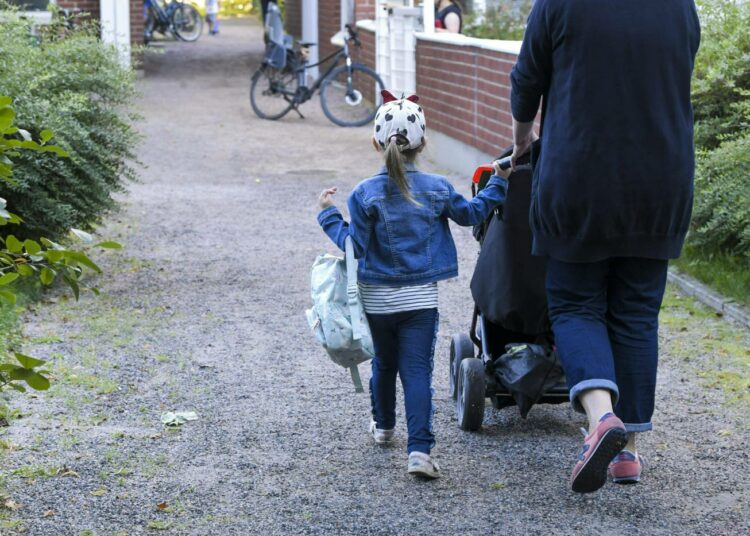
(388, 97)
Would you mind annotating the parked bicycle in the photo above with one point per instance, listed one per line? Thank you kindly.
(349, 93)
(177, 18)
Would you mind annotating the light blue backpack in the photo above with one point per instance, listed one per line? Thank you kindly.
(337, 317)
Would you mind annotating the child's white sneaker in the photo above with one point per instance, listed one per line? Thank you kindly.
(381, 437)
(421, 464)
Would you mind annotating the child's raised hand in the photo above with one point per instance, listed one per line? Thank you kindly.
(325, 200)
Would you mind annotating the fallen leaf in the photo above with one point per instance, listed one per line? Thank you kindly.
(99, 492)
(12, 505)
(69, 472)
(725, 433)
(162, 506)
(48, 513)
(178, 418)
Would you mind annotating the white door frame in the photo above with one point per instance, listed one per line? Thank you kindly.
(115, 20)
(310, 31)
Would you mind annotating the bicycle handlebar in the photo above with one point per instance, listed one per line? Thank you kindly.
(352, 34)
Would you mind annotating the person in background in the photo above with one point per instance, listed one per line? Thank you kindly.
(212, 16)
(448, 17)
(613, 191)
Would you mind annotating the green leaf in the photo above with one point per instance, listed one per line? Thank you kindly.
(37, 381)
(109, 244)
(25, 270)
(5, 101)
(7, 279)
(46, 135)
(47, 276)
(6, 118)
(32, 246)
(82, 259)
(73, 284)
(54, 255)
(82, 235)
(13, 244)
(18, 387)
(8, 296)
(28, 362)
(7, 367)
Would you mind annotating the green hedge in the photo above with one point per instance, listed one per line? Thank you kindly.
(70, 82)
(721, 99)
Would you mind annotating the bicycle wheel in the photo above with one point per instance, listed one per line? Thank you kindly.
(272, 92)
(149, 26)
(351, 103)
(187, 22)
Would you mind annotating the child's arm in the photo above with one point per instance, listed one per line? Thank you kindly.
(474, 212)
(337, 229)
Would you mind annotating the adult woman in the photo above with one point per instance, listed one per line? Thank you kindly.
(612, 198)
(448, 17)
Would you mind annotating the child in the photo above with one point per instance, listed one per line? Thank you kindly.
(212, 16)
(400, 234)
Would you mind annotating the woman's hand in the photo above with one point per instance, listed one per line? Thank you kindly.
(523, 137)
(325, 200)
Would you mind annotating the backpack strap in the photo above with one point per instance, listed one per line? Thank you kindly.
(354, 371)
(351, 290)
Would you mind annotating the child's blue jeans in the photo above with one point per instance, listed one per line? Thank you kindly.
(404, 345)
(605, 316)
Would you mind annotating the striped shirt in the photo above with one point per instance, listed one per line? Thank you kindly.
(384, 300)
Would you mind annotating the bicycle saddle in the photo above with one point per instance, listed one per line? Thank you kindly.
(307, 44)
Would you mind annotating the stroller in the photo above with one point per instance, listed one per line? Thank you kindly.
(517, 363)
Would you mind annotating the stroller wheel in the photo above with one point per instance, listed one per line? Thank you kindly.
(471, 394)
(461, 348)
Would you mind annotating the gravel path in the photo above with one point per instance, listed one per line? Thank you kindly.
(204, 312)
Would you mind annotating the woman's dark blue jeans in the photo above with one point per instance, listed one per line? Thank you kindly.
(605, 316)
(404, 345)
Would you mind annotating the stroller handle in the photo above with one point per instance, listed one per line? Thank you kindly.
(503, 163)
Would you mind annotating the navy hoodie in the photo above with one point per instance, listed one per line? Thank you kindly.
(615, 176)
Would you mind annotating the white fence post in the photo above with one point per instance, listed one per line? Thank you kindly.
(115, 21)
(428, 15)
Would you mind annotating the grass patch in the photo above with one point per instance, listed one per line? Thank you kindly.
(728, 275)
(696, 332)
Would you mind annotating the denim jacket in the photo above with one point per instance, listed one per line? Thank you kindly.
(399, 243)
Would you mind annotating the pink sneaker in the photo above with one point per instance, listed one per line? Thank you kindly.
(626, 468)
(599, 448)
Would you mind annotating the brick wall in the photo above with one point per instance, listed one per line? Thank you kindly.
(136, 22)
(366, 54)
(78, 6)
(329, 23)
(364, 9)
(92, 7)
(469, 85)
(293, 18)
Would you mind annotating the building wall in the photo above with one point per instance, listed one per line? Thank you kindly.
(469, 88)
(329, 23)
(294, 17)
(92, 7)
(366, 54)
(79, 6)
(364, 9)
(136, 21)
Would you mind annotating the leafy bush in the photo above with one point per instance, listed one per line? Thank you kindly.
(721, 214)
(721, 99)
(29, 259)
(72, 83)
(506, 21)
(722, 72)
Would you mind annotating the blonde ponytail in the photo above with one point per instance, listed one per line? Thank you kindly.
(395, 163)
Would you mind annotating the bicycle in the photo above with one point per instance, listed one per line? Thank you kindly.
(349, 93)
(178, 18)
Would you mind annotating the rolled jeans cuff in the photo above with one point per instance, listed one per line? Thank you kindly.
(586, 385)
(639, 427)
